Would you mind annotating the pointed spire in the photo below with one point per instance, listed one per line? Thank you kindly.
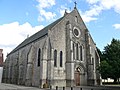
(75, 4)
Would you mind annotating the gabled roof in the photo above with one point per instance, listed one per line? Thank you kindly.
(37, 35)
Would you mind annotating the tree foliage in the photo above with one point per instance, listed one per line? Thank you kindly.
(110, 64)
(104, 69)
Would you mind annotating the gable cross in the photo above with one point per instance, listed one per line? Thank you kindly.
(75, 4)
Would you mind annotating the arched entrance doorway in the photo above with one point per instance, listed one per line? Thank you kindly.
(77, 77)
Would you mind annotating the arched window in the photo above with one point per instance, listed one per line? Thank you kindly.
(81, 53)
(77, 53)
(73, 51)
(55, 58)
(39, 56)
(92, 60)
(61, 58)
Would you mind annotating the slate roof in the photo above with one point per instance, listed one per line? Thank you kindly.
(37, 35)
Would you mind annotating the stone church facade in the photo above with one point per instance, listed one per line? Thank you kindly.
(61, 54)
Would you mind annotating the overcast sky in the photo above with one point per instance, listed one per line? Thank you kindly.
(22, 18)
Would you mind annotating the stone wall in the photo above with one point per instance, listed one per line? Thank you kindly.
(1, 71)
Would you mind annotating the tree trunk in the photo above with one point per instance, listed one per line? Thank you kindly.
(118, 80)
(115, 80)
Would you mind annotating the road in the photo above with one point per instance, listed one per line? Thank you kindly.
(4, 86)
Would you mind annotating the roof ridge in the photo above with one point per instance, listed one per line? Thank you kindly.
(37, 35)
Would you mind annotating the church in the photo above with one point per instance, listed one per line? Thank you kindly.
(61, 54)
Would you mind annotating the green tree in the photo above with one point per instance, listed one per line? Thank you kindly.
(104, 66)
(104, 69)
(111, 55)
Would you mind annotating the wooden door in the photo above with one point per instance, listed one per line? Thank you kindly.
(77, 78)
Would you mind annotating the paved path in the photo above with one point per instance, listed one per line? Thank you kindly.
(4, 86)
(15, 87)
